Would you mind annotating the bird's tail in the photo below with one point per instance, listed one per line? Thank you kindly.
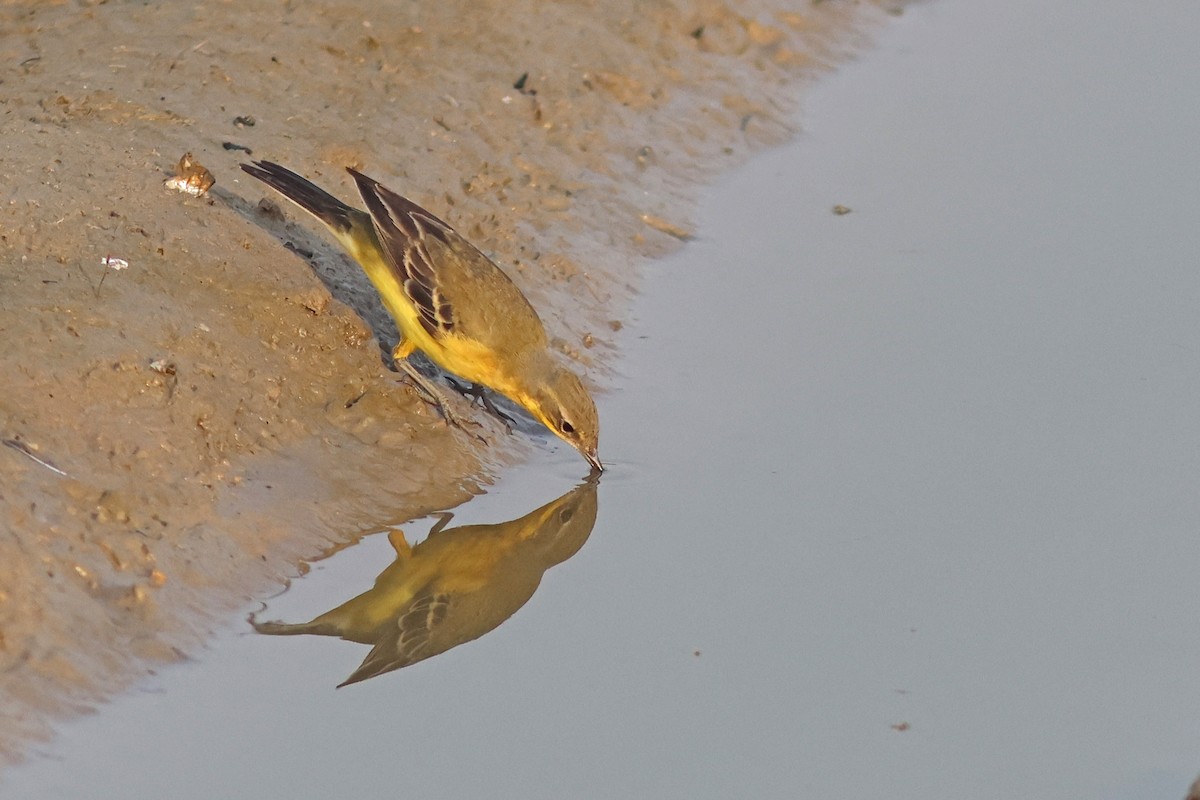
(316, 627)
(304, 193)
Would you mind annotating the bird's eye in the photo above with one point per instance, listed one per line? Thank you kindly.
(566, 427)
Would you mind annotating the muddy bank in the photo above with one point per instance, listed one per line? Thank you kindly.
(181, 433)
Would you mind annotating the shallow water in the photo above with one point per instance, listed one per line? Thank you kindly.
(901, 503)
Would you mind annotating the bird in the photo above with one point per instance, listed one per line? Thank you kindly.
(451, 302)
(453, 587)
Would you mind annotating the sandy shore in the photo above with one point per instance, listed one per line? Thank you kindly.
(180, 435)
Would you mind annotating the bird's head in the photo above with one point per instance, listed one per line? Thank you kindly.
(563, 404)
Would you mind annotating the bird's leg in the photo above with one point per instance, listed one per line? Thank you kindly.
(435, 395)
(443, 520)
(478, 392)
(400, 355)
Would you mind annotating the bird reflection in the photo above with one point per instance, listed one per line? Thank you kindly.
(455, 586)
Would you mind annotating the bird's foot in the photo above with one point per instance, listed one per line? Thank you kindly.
(435, 398)
(479, 392)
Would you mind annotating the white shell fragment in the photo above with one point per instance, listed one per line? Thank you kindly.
(191, 178)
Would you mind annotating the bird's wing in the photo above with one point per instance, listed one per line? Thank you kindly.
(405, 231)
(438, 269)
(408, 639)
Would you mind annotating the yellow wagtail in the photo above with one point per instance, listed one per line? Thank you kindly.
(451, 302)
(455, 586)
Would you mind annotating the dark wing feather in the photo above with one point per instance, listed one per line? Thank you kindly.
(403, 228)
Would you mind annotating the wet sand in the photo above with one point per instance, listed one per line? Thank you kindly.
(182, 433)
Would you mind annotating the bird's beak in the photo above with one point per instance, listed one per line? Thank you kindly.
(594, 460)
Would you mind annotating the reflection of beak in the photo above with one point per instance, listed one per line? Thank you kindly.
(594, 460)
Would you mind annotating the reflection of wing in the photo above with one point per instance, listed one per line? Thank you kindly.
(461, 608)
(406, 642)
